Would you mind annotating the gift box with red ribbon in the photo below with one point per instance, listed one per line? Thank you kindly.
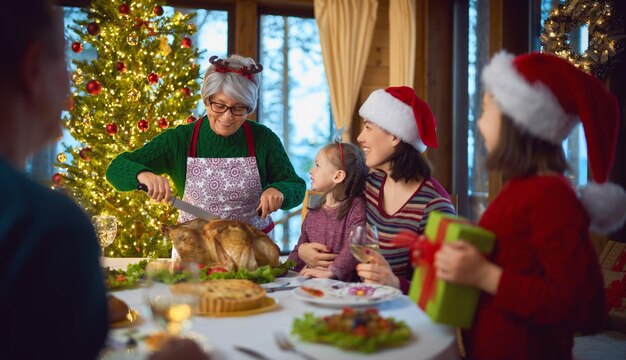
(613, 263)
(444, 302)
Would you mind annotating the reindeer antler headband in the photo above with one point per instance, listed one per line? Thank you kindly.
(222, 66)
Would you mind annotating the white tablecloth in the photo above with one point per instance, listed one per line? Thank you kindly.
(430, 341)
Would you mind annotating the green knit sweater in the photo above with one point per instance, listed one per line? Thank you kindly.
(167, 154)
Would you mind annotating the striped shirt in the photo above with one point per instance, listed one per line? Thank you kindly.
(429, 196)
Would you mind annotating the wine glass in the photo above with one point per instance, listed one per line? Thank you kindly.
(363, 237)
(172, 311)
(106, 228)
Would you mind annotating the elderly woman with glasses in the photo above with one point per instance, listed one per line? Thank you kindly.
(224, 163)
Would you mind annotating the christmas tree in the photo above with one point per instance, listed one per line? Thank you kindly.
(143, 81)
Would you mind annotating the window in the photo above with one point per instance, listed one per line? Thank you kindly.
(575, 146)
(294, 101)
(477, 58)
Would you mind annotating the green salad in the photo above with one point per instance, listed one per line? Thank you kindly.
(364, 331)
(120, 279)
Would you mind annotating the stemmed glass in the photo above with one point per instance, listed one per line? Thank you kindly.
(106, 228)
(363, 237)
(172, 311)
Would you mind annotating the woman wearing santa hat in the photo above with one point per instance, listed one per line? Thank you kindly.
(400, 190)
(543, 283)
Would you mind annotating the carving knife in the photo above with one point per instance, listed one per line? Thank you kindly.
(185, 206)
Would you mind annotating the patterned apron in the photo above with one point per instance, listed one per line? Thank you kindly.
(228, 187)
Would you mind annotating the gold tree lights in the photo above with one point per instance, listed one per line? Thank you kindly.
(606, 34)
(142, 82)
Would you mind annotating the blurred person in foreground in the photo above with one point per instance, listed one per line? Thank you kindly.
(51, 286)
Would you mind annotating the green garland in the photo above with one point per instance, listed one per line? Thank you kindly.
(122, 280)
(605, 35)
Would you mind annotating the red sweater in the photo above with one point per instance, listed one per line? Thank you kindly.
(551, 284)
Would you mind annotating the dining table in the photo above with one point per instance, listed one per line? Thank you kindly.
(220, 336)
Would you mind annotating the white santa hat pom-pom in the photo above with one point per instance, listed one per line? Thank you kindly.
(606, 205)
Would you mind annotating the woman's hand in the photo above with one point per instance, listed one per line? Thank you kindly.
(377, 270)
(271, 200)
(317, 272)
(461, 262)
(316, 255)
(159, 188)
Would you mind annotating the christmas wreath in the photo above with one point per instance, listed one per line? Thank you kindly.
(605, 34)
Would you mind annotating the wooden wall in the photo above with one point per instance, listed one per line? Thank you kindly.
(377, 69)
(617, 85)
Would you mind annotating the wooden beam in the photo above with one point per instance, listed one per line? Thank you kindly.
(508, 30)
(439, 92)
(421, 29)
(617, 86)
(246, 28)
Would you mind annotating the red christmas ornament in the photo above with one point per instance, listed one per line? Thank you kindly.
(191, 119)
(143, 125)
(94, 87)
(121, 67)
(158, 10)
(85, 153)
(111, 129)
(124, 9)
(56, 178)
(186, 43)
(186, 91)
(77, 47)
(163, 123)
(93, 29)
(153, 78)
(69, 104)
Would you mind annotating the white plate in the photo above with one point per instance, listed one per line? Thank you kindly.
(339, 294)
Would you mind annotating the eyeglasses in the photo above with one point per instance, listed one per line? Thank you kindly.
(222, 108)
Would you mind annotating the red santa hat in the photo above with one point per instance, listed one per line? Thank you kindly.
(547, 97)
(400, 112)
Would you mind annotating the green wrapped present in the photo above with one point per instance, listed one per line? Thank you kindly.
(445, 302)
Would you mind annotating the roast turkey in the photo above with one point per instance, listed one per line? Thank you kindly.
(227, 243)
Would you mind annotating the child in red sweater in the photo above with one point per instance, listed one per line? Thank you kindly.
(543, 283)
(339, 172)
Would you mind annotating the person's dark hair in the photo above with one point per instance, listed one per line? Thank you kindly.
(408, 164)
(21, 24)
(519, 153)
(356, 174)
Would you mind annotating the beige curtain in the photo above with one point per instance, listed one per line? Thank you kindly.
(402, 35)
(346, 28)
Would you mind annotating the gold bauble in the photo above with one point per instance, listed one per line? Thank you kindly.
(61, 157)
(132, 40)
(134, 95)
(164, 46)
(77, 77)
